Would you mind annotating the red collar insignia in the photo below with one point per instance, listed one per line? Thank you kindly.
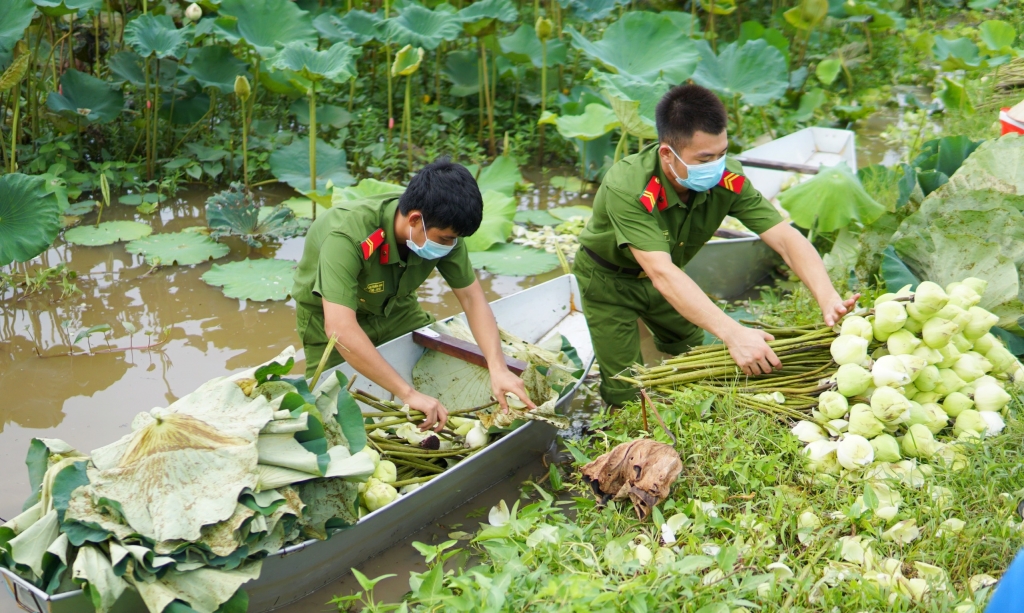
(653, 194)
(371, 244)
(732, 181)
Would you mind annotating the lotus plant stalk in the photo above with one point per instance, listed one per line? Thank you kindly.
(105, 192)
(407, 121)
(391, 102)
(14, 127)
(487, 99)
(242, 90)
(544, 29)
(312, 142)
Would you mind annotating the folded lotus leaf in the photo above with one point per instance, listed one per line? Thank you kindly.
(641, 470)
(224, 537)
(496, 225)
(203, 589)
(327, 500)
(830, 201)
(93, 569)
(29, 547)
(283, 450)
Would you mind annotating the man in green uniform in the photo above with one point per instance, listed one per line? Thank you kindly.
(652, 214)
(362, 264)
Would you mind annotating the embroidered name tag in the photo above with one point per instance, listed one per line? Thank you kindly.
(375, 288)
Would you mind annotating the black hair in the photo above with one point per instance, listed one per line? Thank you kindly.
(447, 195)
(685, 109)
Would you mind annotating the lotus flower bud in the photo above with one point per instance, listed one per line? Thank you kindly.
(465, 428)
(969, 367)
(985, 343)
(910, 391)
(544, 28)
(918, 442)
(980, 323)
(986, 379)
(913, 325)
(372, 453)
(378, 494)
(386, 472)
(978, 285)
(837, 426)
(886, 297)
(931, 356)
(937, 332)
(477, 437)
(949, 382)
(994, 423)
(889, 371)
(950, 355)
(926, 397)
(905, 291)
(929, 298)
(889, 317)
(990, 397)
(901, 342)
(1001, 358)
(912, 363)
(855, 325)
(849, 349)
(822, 456)
(961, 343)
(889, 406)
(852, 380)
(863, 422)
(193, 13)
(879, 352)
(927, 379)
(854, 452)
(886, 448)
(833, 405)
(242, 90)
(963, 296)
(956, 403)
(931, 415)
(809, 432)
(970, 421)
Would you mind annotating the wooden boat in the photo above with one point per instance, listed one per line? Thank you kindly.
(295, 572)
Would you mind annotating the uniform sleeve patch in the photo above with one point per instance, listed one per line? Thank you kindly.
(732, 181)
(372, 242)
(653, 194)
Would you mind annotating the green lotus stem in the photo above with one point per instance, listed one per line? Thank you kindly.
(407, 122)
(245, 149)
(156, 119)
(424, 453)
(149, 169)
(417, 464)
(391, 102)
(351, 87)
(488, 99)
(312, 142)
(543, 92)
(14, 127)
(323, 358)
(404, 482)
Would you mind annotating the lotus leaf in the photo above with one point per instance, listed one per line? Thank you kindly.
(596, 121)
(514, 260)
(996, 164)
(256, 280)
(954, 97)
(478, 19)
(127, 67)
(152, 35)
(326, 114)
(565, 213)
(268, 24)
(461, 68)
(632, 101)
(536, 218)
(456, 383)
(337, 64)
(940, 158)
(303, 207)
(496, 225)
(828, 70)
(215, 66)
(752, 30)
(957, 54)
(29, 217)
(619, 52)
(367, 188)
(235, 212)
(421, 27)
(107, 233)
(291, 165)
(356, 26)
(182, 248)
(569, 184)
(104, 587)
(15, 17)
(591, 10)
(880, 18)
(330, 504)
(523, 46)
(86, 97)
(755, 72)
(59, 8)
(407, 61)
(997, 37)
(15, 72)
(204, 589)
(501, 176)
(830, 201)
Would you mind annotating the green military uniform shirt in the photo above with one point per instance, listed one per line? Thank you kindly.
(636, 205)
(351, 257)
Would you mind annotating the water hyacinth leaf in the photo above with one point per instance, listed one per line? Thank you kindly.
(153, 35)
(523, 47)
(830, 201)
(29, 217)
(419, 26)
(565, 213)
(501, 176)
(514, 260)
(268, 24)
(632, 101)
(755, 72)
(461, 70)
(85, 97)
(107, 233)
(619, 52)
(182, 248)
(596, 121)
(234, 211)
(496, 225)
(336, 64)
(256, 280)
(291, 165)
(215, 66)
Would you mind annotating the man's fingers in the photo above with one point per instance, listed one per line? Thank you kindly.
(774, 359)
(430, 420)
(500, 396)
(766, 336)
(521, 392)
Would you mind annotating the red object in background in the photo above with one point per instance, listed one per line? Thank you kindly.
(1008, 123)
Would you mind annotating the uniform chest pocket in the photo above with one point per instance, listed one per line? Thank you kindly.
(373, 293)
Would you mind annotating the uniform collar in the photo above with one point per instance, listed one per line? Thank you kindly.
(671, 195)
(387, 222)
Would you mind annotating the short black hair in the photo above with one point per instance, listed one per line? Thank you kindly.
(447, 195)
(685, 109)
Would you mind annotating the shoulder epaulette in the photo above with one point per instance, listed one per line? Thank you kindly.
(653, 194)
(372, 242)
(732, 181)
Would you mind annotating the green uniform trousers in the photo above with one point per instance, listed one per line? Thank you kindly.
(407, 315)
(612, 303)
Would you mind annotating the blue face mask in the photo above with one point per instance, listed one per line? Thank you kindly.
(430, 250)
(700, 177)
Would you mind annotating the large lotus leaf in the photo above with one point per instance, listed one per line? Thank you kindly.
(997, 164)
(303, 207)
(291, 165)
(478, 19)
(407, 61)
(59, 8)
(641, 45)
(185, 105)
(501, 176)
(456, 383)
(128, 67)
(591, 10)
(957, 54)
(755, 72)
(367, 188)
(596, 121)
(830, 201)
(997, 37)
(15, 16)
(86, 97)
(92, 567)
(29, 217)
(269, 24)
(204, 589)
(514, 260)
(421, 27)
(257, 280)
(496, 225)
(565, 213)
(337, 64)
(632, 101)
(182, 248)
(107, 233)
(461, 68)
(977, 233)
(285, 83)
(215, 66)
(361, 26)
(234, 211)
(752, 30)
(523, 47)
(326, 114)
(330, 504)
(156, 35)
(536, 218)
